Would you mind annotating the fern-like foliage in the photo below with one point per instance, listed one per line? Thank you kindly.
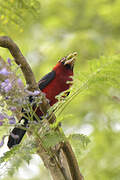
(20, 10)
(79, 141)
(101, 75)
(14, 158)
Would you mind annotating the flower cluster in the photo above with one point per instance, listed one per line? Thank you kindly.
(3, 117)
(6, 85)
(13, 95)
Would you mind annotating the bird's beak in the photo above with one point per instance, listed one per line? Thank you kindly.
(70, 59)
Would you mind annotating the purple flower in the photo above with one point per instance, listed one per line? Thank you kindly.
(20, 83)
(2, 141)
(35, 93)
(12, 120)
(13, 108)
(7, 81)
(7, 97)
(6, 85)
(1, 123)
(4, 72)
(9, 61)
(3, 84)
(2, 116)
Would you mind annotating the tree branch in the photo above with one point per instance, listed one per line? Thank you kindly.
(6, 42)
(73, 165)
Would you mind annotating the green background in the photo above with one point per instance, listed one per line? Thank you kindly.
(46, 31)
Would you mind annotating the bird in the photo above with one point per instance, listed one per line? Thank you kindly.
(52, 84)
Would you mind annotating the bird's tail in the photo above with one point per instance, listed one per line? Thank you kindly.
(17, 134)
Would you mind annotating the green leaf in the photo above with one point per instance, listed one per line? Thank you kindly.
(9, 154)
(79, 141)
(52, 138)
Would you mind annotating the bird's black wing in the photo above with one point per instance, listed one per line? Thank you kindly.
(46, 80)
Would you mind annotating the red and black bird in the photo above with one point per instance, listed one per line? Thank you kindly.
(51, 84)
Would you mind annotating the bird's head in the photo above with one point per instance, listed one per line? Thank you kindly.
(66, 64)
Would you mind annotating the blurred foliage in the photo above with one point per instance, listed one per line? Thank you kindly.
(47, 31)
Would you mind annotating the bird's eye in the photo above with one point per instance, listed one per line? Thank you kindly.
(68, 66)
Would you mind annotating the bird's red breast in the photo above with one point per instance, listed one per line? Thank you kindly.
(59, 83)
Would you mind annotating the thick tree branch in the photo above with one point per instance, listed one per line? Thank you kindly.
(6, 42)
(73, 165)
(50, 163)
